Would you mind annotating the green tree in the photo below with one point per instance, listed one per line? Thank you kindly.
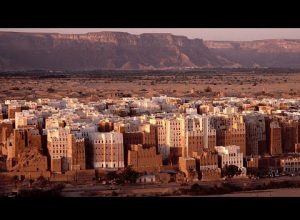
(42, 181)
(129, 175)
(231, 171)
(112, 176)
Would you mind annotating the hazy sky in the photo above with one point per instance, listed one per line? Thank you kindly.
(204, 33)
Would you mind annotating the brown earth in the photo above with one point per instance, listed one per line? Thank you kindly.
(93, 88)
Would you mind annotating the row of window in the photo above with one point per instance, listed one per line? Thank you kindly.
(59, 145)
(102, 142)
(106, 147)
(292, 163)
(292, 169)
(101, 154)
(103, 161)
(114, 165)
(59, 151)
(233, 162)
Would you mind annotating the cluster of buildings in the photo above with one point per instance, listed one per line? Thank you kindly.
(197, 137)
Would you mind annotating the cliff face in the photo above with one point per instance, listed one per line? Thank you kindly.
(117, 50)
(103, 50)
(261, 53)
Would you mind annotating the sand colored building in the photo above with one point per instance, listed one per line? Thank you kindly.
(175, 132)
(33, 138)
(144, 159)
(297, 147)
(269, 163)
(149, 135)
(231, 130)
(170, 137)
(30, 160)
(275, 147)
(130, 138)
(230, 155)
(252, 164)
(15, 146)
(76, 153)
(137, 133)
(163, 149)
(200, 134)
(290, 164)
(6, 128)
(27, 119)
(66, 150)
(15, 106)
(194, 142)
(108, 152)
(206, 108)
(207, 165)
(18, 141)
(106, 126)
(289, 135)
(230, 110)
(299, 131)
(12, 109)
(57, 141)
(206, 160)
(188, 166)
(53, 122)
(255, 134)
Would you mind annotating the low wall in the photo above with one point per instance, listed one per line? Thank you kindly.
(70, 176)
(30, 175)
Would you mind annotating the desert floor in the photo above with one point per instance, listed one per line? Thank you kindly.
(92, 88)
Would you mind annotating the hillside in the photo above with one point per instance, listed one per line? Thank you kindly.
(118, 50)
(103, 50)
(261, 53)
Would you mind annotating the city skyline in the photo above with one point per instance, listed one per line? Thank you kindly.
(113, 114)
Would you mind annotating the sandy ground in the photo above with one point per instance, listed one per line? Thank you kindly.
(89, 88)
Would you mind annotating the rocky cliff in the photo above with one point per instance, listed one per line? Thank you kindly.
(261, 53)
(118, 50)
(103, 50)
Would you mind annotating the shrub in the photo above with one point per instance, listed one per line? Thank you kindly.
(50, 90)
(208, 89)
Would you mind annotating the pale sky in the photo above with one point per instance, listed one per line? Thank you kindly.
(235, 34)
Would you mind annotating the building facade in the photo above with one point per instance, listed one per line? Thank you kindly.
(230, 155)
(108, 152)
(144, 159)
(275, 147)
(289, 135)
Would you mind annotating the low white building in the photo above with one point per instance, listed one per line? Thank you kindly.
(27, 118)
(230, 110)
(230, 155)
(291, 164)
(146, 179)
(191, 111)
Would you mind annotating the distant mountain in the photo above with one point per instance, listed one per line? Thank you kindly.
(118, 50)
(260, 53)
